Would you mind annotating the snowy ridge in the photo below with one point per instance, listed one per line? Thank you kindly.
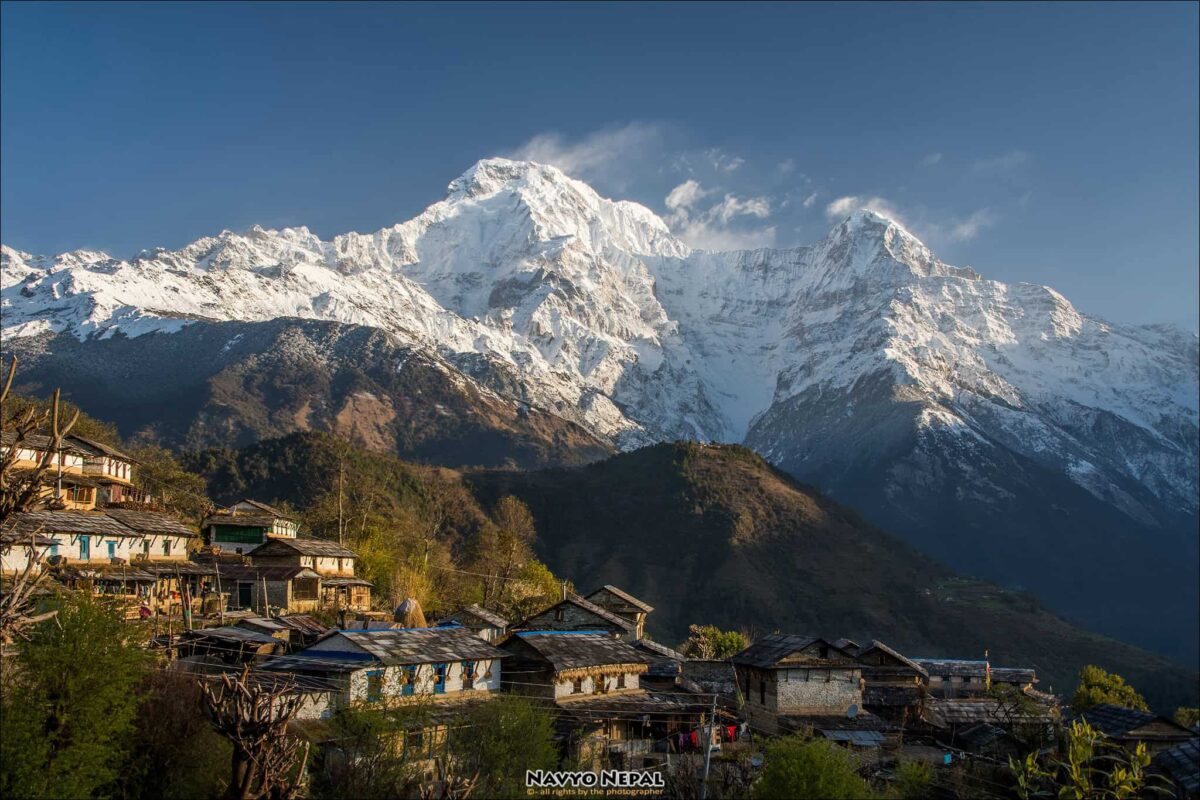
(600, 314)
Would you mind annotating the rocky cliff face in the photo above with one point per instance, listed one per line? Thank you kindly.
(994, 425)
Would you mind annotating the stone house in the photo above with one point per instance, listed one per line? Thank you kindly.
(488, 625)
(111, 470)
(339, 588)
(265, 589)
(246, 525)
(397, 665)
(785, 678)
(575, 613)
(624, 605)
(895, 687)
(163, 552)
(950, 677)
(66, 484)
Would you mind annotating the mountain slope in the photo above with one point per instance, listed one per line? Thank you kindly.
(231, 384)
(712, 534)
(993, 425)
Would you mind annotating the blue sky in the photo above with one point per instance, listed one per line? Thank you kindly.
(1047, 143)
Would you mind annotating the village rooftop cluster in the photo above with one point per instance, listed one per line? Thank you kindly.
(249, 596)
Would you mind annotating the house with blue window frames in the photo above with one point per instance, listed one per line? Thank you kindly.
(393, 665)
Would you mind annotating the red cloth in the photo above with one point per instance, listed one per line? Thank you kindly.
(730, 733)
(695, 739)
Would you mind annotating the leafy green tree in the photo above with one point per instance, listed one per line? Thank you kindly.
(802, 768)
(502, 739)
(1089, 768)
(69, 704)
(1187, 717)
(709, 641)
(1096, 686)
(913, 779)
(369, 756)
(171, 486)
(175, 753)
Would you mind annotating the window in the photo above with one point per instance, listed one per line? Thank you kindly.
(621, 681)
(54, 549)
(439, 678)
(374, 685)
(410, 680)
(304, 589)
(577, 686)
(146, 546)
(112, 549)
(85, 548)
(762, 692)
(166, 546)
(558, 614)
(468, 674)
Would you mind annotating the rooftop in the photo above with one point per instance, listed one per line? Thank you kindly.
(1118, 721)
(305, 546)
(570, 650)
(420, 645)
(769, 650)
(476, 610)
(628, 598)
(150, 522)
(93, 448)
(70, 522)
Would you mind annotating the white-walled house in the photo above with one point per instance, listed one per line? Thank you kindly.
(17, 549)
(395, 665)
(564, 665)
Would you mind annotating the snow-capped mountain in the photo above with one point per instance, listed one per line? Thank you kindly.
(861, 363)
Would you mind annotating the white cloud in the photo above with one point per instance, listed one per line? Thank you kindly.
(931, 159)
(722, 161)
(686, 195)
(785, 166)
(844, 206)
(712, 228)
(592, 154)
(1005, 162)
(970, 227)
(810, 200)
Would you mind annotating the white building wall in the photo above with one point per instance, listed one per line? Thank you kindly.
(588, 685)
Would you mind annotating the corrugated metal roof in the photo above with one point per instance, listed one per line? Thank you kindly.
(856, 738)
(231, 633)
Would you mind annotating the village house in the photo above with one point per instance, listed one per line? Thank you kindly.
(989, 726)
(574, 613)
(624, 605)
(603, 714)
(66, 485)
(164, 553)
(246, 525)
(1180, 765)
(664, 666)
(17, 549)
(339, 589)
(388, 666)
(895, 688)
(111, 469)
(488, 625)
(950, 678)
(266, 590)
(790, 682)
(1128, 726)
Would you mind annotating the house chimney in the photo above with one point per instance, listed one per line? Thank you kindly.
(564, 590)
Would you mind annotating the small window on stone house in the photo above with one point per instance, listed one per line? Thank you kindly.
(166, 547)
(762, 692)
(577, 686)
(621, 680)
(558, 614)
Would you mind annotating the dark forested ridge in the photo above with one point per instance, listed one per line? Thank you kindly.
(714, 534)
(234, 383)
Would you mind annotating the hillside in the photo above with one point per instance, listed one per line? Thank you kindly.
(234, 384)
(713, 534)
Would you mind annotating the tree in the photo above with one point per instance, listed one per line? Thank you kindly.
(501, 739)
(172, 488)
(69, 703)
(1187, 717)
(710, 642)
(913, 779)
(803, 768)
(1097, 686)
(1090, 768)
(176, 755)
(366, 758)
(23, 490)
(253, 713)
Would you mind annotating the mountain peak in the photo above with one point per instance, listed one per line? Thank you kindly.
(489, 175)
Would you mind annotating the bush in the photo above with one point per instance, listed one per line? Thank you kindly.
(913, 779)
(798, 768)
(503, 738)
